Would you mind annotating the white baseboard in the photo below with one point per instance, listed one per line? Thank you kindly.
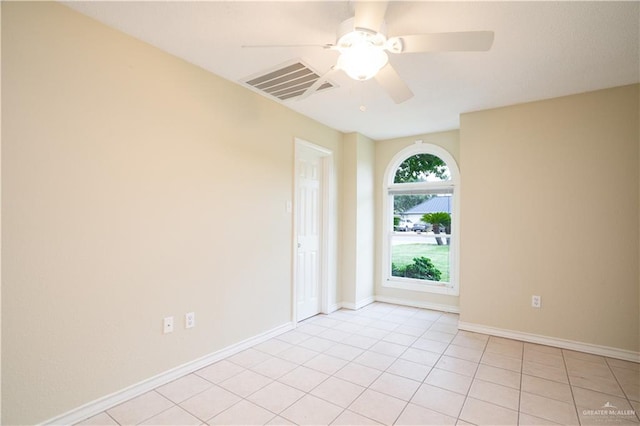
(359, 304)
(552, 341)
(419, 304)
(99, 405)
(334, 307)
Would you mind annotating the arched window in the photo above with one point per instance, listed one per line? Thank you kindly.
(420, 247)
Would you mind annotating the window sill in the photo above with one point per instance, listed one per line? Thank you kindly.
(422, 286)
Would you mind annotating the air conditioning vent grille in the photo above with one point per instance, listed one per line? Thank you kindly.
(286, 82)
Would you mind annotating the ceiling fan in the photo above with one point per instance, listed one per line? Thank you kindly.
(363, 46)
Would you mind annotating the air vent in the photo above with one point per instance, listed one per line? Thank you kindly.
(287, 82)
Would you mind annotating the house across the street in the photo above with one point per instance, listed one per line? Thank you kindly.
(439, 203)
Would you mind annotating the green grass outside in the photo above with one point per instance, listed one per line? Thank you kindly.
(403, 254)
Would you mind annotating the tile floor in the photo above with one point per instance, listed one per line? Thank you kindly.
(388, 364)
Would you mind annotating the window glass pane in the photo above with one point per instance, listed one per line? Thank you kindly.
(420, 258)
(409, 210)
(422, 168)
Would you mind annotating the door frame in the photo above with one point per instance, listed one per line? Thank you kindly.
(327, 231)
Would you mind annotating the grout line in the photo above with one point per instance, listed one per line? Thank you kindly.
(573, 398)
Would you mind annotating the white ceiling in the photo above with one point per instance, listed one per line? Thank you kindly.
(541, 50)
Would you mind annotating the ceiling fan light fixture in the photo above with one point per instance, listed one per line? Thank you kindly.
(362, 61)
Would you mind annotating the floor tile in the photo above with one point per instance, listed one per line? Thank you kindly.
(311, 410)
(274, 367)
(334, 335)
(342, 351)
(303, 378)
(444, 327)
(297, 354)
(184, 388)
(421, 357)
(416, 415)
(243, 413)
(358, 374)
(220, 371)
(547, 388)
(438, 336)
(495, 394)
(388, 348)
(529, 420)
(280, 421)
(550, 409)
(461, 352)
(276, 397)
(374, 333)
(349, 418)
(396, 386)
(600, 384)
(348, 327)
(210, 402)
(448, 380)
(580, 367)
(438, 399)
(545, 372)
(501, 361)
(457, 365)
(483, 413)
(430, 345)
(499, 375)
(310, 329)
(409, 369)
(338, 391)
(140, 408)
(619, 363)
(384, 325)
(400, 339)
(173, 416)
(428, 315)
(317, 344)
(471, 340)
(249, 357)
(505, 346)
(375, 360)
(102, 419)
(246, 383)
(362, 342)
(542, 348)
(377, 406)
(588, 399)
(544, 358)
(273, 346)
(597, 359)
(411, 330)
(293, 337)
(326, 363)
(324, 321)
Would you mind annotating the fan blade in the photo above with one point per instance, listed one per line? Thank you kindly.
(253, 46)
(369, 14)
(448, 42)
(391, 81)
(315, 86)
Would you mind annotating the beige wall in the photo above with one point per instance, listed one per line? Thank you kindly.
(133, 188)
(358, 238)
(550, 208)
(384, 153)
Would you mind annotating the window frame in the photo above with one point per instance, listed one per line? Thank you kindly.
(390, 188)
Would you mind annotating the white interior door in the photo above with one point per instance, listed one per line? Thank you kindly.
(308, 232)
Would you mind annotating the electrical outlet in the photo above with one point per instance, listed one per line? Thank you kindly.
(189, 320)
(536, 301)
(167, 325)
